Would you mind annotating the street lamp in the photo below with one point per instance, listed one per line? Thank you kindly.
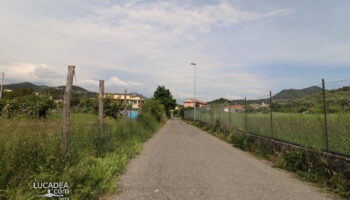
(195, 102)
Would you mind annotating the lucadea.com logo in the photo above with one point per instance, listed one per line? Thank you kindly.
(53, 190)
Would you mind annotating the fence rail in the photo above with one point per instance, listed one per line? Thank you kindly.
(320, 120)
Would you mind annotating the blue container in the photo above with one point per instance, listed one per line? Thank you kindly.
(132, 115)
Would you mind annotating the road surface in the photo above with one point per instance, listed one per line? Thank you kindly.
(183, 162)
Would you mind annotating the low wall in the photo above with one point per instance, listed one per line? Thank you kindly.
(336, 162)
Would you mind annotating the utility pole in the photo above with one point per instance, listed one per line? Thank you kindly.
(195, 101)
(2, 84)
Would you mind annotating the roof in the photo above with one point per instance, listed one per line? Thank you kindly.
(192, 100)
(235, 106)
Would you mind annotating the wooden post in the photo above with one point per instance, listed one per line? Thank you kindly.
(100, 106)
(325, 114)
(125, 112)
(271, 125)
(66, 110)
(246, 115)
(2, 84)
(140, 109)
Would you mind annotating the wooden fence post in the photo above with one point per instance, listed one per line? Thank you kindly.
(140, 109)
(100, 106)
(125, 112)
(325, 114)
(66, 110)
(271, 125)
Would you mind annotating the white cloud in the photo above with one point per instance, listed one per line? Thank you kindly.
(156, 40)
(115, 81)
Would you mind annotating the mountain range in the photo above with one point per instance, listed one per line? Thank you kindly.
(284, 95)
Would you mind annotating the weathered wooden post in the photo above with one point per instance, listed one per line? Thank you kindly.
(100, 106)
(246, 114)
(271, 124)
(140, 109)
(66, 110)
(125, 112)
(325, 114)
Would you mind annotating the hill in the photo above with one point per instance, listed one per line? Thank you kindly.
(297, 94)
(55, 92)
(219, 101)
(338, 100)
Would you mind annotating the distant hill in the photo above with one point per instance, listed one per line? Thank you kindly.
(297, 94)
(284, 95)
(219, 101)
(55, 92)
(17, 86)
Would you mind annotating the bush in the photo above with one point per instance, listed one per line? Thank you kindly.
(155, 109)
(31, 106)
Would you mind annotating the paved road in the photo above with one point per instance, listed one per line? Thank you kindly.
(183, 162)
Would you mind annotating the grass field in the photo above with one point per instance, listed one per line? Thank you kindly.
(29, 152)
(303, 129)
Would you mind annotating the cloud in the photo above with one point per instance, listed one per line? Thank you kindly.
(115, 81)
(153, 43)
(38, 73)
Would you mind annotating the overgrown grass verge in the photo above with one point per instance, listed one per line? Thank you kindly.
(29, 153)
(309, 166)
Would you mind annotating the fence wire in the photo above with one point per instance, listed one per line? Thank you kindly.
(319, 118)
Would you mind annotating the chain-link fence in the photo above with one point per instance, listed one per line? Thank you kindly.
(318, 116)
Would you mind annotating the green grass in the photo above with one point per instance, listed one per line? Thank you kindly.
(29, 152)
(309, 166)
(303, 129)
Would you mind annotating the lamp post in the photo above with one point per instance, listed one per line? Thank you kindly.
(195, 102)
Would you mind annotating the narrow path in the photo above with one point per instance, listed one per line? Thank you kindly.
(183, 162)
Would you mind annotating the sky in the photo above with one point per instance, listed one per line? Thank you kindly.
(240, 47)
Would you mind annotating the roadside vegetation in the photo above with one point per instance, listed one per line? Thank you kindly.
(309, 166)
(30, 153)
(303, 129)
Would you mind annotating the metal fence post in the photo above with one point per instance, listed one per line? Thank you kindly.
(212, 114)
(219, 113)
(100, 103)
(229, 117)
(271, 124)
(246, 114)
(125, 112)
(325, 113)
(2, 84)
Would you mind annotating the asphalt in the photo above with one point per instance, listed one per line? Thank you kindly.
(183, 162)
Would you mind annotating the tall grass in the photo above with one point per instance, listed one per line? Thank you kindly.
(310, 166)
(303, 129)
(29, 152)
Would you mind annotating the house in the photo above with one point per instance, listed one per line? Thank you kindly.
(133, 100)
(234, 108)
(256, 106)
(189, 103)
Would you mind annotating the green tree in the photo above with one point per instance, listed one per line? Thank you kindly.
(165, 97)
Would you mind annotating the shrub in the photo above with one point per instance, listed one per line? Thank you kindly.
(155, 109)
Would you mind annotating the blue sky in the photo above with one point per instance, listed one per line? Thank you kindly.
(241, 47)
